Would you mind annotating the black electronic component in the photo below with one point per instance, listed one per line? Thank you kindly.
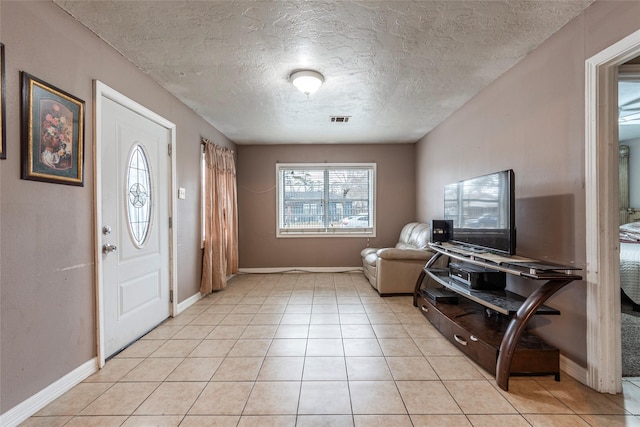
(477, 277)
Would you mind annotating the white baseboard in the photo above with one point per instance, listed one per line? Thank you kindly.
(24, 410)
(182, 306)
(573, 369)
(300, 270)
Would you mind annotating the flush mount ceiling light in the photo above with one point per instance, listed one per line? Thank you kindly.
(307, 81)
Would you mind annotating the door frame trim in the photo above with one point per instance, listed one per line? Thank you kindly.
(604, 353)
(101, 90)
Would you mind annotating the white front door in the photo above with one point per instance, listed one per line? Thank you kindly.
(134, 224)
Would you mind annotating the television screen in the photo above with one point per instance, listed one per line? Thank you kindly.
(483, 213)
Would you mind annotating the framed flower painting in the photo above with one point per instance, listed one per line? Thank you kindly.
(52, 133)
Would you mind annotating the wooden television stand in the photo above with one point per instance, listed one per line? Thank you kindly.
(489, 326)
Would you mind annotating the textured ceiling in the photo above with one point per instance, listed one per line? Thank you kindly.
(397, 68)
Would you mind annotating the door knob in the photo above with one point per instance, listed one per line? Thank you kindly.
(106, 248)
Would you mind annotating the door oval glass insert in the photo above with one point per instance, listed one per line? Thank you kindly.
(139, 195)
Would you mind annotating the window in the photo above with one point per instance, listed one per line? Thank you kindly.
(326, 199)
(139, 195)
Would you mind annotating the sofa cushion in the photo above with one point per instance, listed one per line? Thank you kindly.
(395, 253)
(414, 236)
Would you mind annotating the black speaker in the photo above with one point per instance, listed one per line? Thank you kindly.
(441, 230)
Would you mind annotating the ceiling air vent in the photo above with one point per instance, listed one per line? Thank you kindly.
(340, 119)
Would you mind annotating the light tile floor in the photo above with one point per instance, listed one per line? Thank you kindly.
(316, 350)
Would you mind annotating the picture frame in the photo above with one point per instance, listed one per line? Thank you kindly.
(52, 133)
(3, 131)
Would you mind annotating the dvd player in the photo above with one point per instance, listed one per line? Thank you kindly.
(477, 277)
(442, 295)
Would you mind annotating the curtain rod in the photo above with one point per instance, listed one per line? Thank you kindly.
(205, 141)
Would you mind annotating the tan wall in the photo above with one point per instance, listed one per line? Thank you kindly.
(47, 292)
(257, 204)
(532, 120)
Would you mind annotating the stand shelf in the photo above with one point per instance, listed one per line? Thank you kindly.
(489, 326)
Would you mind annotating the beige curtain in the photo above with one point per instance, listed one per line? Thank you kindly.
(220, 257)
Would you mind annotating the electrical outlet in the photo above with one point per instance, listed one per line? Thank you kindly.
(182, 193)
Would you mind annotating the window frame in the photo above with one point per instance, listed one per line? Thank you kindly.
(324, 231)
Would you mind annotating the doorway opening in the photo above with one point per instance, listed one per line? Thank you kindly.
(602, 214)
(629, 172)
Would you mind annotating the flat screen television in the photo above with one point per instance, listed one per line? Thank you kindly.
(483, 212)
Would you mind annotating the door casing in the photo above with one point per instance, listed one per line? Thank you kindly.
(103, 91)
(604, 353)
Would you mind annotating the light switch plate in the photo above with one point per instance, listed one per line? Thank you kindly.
(182, 193)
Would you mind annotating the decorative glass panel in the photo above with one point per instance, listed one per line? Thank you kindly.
(139, 195)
